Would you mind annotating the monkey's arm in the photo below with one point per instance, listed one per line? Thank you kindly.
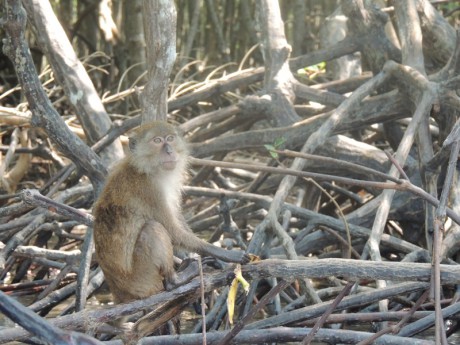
(237, 256)
(190, 241)
(115, 235)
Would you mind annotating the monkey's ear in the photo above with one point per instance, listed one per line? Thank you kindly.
(132, 144)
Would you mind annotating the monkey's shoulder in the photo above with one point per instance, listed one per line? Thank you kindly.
(109, 213)
(128, 195)
(124, 179)
(118, 189)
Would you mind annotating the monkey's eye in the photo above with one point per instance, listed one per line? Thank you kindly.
(157, 140)
(170, 138)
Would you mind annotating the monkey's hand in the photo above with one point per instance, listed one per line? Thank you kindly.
(241, 257)
(247, 258)
(171, 281)
(250, 258)
(238, 256)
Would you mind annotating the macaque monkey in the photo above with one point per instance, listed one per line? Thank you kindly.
(138, 219)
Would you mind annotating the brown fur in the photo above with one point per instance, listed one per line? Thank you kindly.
(138, 219)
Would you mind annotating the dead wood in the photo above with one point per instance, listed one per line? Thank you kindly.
(304, 171)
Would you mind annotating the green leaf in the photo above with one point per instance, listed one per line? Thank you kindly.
(279, 142)
(320, 67)
(271, 149)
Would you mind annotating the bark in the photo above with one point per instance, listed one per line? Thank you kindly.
(305, 214)
(276, 51)
(86, 29)
(44, 115)
(160, 37)
(71, 74)
(367, 23)
(134, 43)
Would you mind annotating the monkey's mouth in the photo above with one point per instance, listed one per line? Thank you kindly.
(169, 165)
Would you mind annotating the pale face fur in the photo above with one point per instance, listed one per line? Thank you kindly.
(161, 142)
(158, 147)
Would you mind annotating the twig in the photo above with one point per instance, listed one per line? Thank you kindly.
(253, 311)
(350, 249)
(19, 239)
(440, 334)
(338, 162)
(39, 326)
(84, 270)
(10, 153)
(281, 335)
(44, 114)
(89, 318)
(352, 301)
(396, 165)
(402, 185)
(428, 321)
(203, 302)
(33, 197)
(423, 110)
(345, 291)
(396, 328)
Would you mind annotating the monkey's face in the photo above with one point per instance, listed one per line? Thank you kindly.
(158, 146)
(165, 146)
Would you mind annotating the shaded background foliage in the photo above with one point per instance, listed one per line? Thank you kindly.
(209, 34)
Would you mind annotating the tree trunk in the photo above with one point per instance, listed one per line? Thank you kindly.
(71, 74)
(134, 43)
(160, 37)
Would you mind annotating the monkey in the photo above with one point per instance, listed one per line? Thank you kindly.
(138, 219)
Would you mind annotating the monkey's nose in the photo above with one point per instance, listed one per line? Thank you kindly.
(168, 149)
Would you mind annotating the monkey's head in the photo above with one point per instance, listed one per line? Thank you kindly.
(158, 146)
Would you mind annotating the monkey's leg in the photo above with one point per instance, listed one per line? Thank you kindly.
(153, 257)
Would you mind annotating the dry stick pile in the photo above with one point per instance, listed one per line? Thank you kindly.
(347, 202)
